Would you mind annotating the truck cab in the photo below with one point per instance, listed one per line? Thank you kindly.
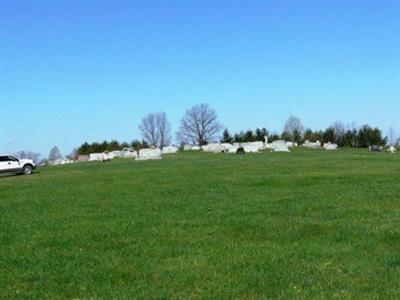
(12, 164)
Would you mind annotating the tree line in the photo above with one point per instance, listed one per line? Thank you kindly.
(200, 125)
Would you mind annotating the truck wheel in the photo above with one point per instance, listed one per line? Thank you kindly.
(27, 170)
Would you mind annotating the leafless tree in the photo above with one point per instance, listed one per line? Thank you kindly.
(199, 125)
(155, 129)
(293, 129)
(339, 130)
(148, 129)
(29, 155)
(55, 154)
(73, 154)
(391, 135)
(164, 130)
(352, 131)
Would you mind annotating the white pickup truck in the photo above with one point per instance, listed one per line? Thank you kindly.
(12, 164)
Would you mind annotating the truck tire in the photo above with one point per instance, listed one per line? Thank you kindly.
(27, 170)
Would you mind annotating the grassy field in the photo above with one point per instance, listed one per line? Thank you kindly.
(306, 224)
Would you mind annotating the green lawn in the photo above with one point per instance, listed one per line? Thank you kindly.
(306, 224)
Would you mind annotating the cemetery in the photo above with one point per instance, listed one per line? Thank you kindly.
(204, 149)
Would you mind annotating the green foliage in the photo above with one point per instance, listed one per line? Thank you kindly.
(328, 135)
(308, 225)
(226, 137)
(137, 145)
(250, 135)
(351, 138)
(368, 136)
(105, 146)
(261, 134)
(313, 136)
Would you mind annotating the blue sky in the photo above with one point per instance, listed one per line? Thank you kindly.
(89, 71)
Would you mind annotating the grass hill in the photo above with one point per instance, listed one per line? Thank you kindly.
(306, 224)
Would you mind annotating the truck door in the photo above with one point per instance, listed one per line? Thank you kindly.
(13, 163)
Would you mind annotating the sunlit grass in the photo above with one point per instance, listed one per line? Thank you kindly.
(306, 224)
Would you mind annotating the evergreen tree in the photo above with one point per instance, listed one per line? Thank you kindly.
(329, 135)
(226, 137)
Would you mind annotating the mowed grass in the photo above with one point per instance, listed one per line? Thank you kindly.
(306, 224)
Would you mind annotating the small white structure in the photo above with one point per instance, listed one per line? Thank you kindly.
(280, 146)
(127, 153)
(248, 148)
(232, 149)
(283, 147)
(392, 149)
(101, 156)
(330, 146)
(252, 146)
(219, 148)
(212, 147)
(60, 161)
(312, 145)
(95, 156)
(113, 154)
(229, 148)
(189, 147)
(147, 154)
(169, 150)
(258, 145)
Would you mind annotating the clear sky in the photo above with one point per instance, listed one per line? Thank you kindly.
(89, 71)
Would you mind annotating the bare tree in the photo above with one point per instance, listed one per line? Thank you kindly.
(199, 125)
(164, 129)
(339, 130)
(156, 129)
(391, 135)
(29, 155)
(55, 154)
(148, 129)
(352, 134)
(293, 129)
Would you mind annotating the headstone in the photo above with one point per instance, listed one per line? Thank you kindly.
(212, 147)
(147, 154)
(189, 147)
(375, 148)
(240, 150)
(330, 146)
(128, 153)
(169, 150)
(82, 157)
(250, 148)
(312, 145)
(282, 147)
(95, 156)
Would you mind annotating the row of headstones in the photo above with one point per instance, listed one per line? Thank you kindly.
(143, 154)
(252, 147)
(375, 148)
(318, 145)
